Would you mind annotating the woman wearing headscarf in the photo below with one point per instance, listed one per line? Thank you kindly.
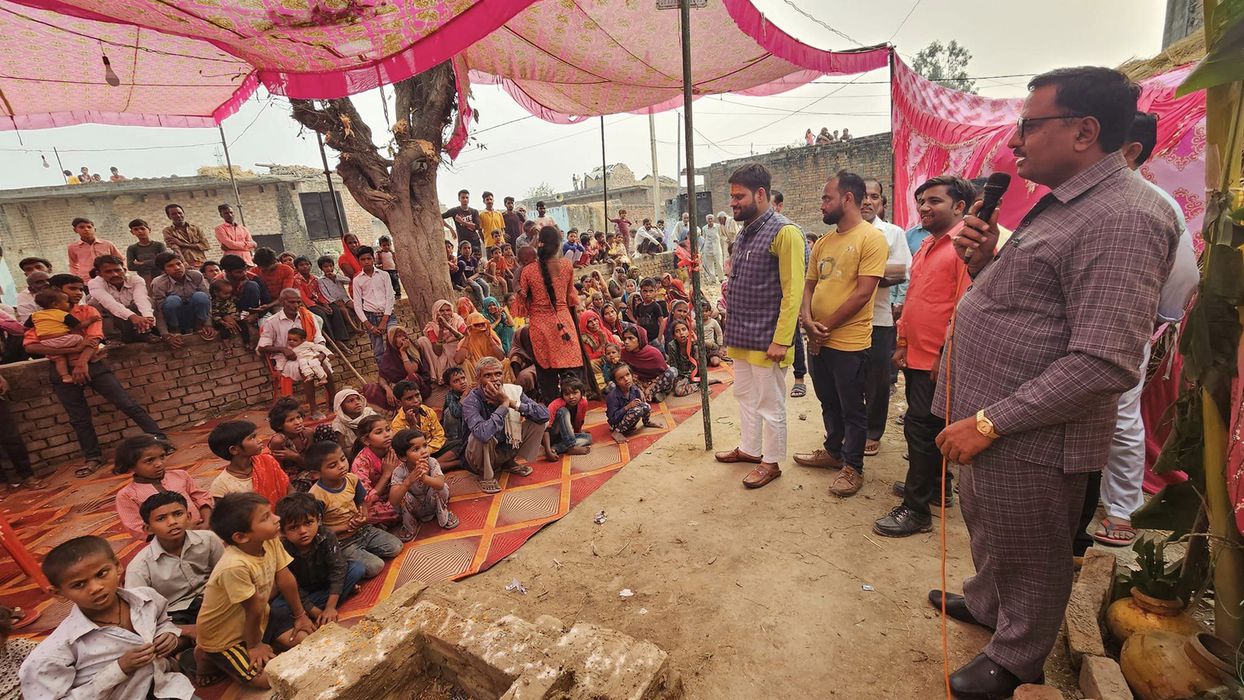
(465, 307)
(501, 322)
(479, 342)
(595, 337)
(402, 361)
(522, 360)
(350, 408)
(653, 374)
(440, 339)
(548, 287)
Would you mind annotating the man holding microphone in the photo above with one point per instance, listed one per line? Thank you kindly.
(1049, 335)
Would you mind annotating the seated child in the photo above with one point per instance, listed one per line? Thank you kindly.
(325, 577)
(349, 409)
(225, 316)
(311, 361)
(647, 365)
(334, 286)
(291, 438)
(565, 432)
(611, 358)
(249, 469)
(683, 353)
(417, 488)
(374, 464)
(177, 561)
(144, 456)
(116, 644)
(615, 250)
(501, 322)
(13, 652)
(714, 337)
(451, 417)
(679, 311)
(236, 631)
(594, 338)
(56, 328)
(411, 413)
(346, 504)
(625, 406)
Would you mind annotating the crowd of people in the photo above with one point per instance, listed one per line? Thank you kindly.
(86, 177)
(1022, 354)
(825, 136)
(302, 516)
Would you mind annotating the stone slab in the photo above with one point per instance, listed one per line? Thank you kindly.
(1101, 678)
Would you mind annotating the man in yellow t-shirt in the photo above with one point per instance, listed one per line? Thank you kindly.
(837, 313)
(492, 225)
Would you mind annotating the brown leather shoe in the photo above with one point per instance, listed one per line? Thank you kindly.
(761, 475)
(847, 483)
(819, 459)
(735, 455)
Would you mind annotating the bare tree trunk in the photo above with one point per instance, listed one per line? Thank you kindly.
(400, 192)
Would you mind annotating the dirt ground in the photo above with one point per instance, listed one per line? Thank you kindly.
(784, 591)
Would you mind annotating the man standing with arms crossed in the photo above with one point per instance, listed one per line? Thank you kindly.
(766, 286)
(836, 313)
(1044, 342)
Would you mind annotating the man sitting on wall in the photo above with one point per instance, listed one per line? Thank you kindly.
(182, 297)
(122, 300)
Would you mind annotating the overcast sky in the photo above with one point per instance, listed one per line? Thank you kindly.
(1005, 38)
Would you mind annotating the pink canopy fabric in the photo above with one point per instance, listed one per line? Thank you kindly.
(614, 57)
(193, 62)
(937, 130)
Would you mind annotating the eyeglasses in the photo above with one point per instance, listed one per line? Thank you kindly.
(1022, 123)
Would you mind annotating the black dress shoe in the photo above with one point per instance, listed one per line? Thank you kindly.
(900, 489)
(903, 522)
(956, 608)
(983, 679)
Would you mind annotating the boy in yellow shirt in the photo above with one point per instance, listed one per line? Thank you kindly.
(413, 414)
(235, 632)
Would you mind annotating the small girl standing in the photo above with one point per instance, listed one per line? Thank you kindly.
(374, 465)
(144, 456)
(290, 441)
(625, 406)
(417, 487)
(714, 337)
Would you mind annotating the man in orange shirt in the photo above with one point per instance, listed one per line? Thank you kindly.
(938, 279)
(275, 276)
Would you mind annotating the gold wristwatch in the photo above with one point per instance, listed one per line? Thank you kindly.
(984, 426)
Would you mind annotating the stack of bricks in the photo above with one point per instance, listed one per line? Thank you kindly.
(644, 266)
(202, 381)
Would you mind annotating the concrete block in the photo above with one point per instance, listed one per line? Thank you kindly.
(403, 597)
(1029, 691)
(1083, 623)
(1101, 678)
(1097, 576)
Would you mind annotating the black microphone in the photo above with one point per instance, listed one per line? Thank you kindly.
(995, 187)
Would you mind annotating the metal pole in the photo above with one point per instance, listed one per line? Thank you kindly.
(229, 163)
(604, 172)
(693, 233)
(656, 177)
(63, 180)
(332, 191)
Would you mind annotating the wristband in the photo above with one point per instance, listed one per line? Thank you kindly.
(902, 342)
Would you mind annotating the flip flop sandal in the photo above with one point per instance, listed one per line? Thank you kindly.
(871, 448)
(407, 535)
(451, 522)
(799, 390)
(89, 469)
(489, 486)
(520, 470)
(760, 476)
(1113, 534)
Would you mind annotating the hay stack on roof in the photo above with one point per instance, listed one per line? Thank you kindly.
(1190, 49)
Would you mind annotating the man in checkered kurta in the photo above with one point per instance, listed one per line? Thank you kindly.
(1048, 336)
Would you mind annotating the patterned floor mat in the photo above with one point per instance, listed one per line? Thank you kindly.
(492, 526)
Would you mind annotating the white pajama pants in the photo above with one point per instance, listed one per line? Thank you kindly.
(761, 393)
(1122, 479)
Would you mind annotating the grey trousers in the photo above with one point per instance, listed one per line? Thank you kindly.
(1021, 518)
(482, 458)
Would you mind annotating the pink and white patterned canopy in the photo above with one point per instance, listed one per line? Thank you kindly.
(192, 62)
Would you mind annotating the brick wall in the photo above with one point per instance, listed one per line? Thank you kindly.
(800, 174)
(202, 381)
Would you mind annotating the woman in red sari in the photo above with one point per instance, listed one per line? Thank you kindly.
(548, 288)
(346, 262)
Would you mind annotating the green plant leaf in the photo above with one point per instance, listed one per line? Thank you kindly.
(1222, 62)
(1175, 507)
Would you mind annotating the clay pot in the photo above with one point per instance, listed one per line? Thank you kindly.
(1143, 613)
(1161, 665)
